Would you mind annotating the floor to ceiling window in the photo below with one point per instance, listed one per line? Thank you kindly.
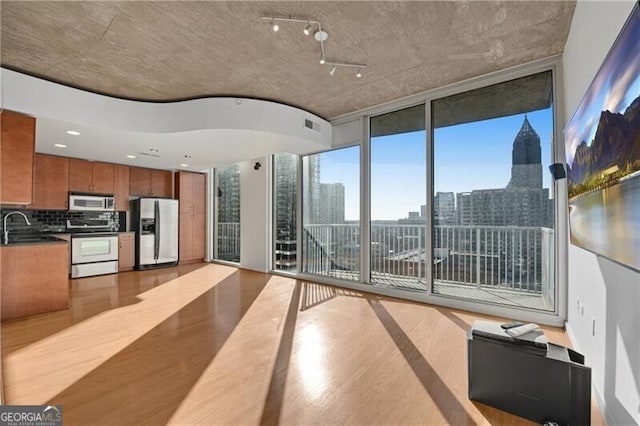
(458, 197)
(331, 213)
(227, 193)
(493, 204)
(398, 198)
(285, 216)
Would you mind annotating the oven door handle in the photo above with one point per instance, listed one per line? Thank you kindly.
(156, 241)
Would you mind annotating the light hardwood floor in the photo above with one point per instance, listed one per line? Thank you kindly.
(212, 344)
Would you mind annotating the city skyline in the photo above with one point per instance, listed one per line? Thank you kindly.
(468, 156)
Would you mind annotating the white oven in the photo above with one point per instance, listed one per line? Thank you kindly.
(93, 254)
(91, 202)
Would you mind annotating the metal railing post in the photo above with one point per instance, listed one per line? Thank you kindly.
(478, 258)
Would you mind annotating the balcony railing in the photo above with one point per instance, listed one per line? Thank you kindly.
(228, 241)
(518, 260)
(513, 258)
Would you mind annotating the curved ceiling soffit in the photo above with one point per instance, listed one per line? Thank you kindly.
(39, 97)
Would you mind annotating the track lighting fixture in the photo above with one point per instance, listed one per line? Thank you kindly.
(320, 36)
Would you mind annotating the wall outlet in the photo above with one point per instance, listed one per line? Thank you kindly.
(593, 326)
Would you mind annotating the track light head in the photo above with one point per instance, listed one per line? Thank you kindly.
(333, 70)
(322, 61)
(321, 36)
(307, 29)
(274, 26)
(359, 74)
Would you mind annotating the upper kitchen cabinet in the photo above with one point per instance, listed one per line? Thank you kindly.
(161, 183)
(88, 176)
(121, 186)
(150, 182)
(50, 182)
(16, 158)
(190, 190)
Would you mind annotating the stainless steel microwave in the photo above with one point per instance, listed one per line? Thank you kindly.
(91, 202)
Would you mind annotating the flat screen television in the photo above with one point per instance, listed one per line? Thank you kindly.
(602, 145)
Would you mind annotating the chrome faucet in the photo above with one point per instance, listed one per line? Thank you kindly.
(6, 231)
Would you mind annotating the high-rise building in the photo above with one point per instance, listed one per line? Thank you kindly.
(526, 164)
(331, 206)
(311, 189)
(524, 202)
(228, 191)
(444, 208)
(285, 179)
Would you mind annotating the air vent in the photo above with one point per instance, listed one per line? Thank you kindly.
(312, 125)
(150, 155)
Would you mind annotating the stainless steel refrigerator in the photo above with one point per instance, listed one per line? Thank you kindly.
(155, 221)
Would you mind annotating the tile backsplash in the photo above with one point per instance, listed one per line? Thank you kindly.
(53, 220)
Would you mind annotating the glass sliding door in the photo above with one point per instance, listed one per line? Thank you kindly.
(331, 213)
(398, 199)
(227, 245)
(493, 202)
(285, 215)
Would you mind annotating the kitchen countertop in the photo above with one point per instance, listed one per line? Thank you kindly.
(24, 240)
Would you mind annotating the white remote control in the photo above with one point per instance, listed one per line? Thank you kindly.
(523, 329)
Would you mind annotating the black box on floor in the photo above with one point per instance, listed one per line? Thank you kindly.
(526, 379)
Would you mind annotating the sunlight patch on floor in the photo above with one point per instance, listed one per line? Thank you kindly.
(233, 388)
(77, 350)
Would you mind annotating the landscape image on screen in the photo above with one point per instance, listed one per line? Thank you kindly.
(602, 145)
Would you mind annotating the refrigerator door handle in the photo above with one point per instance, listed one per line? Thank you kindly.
(156, 244)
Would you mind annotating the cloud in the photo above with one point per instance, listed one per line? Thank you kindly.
(615, 100)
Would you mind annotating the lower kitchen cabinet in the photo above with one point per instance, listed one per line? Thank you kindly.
(67, 238)
(126, 251)
(35, 279)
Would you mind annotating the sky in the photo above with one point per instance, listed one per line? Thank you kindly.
(615, 86)
(466, 157)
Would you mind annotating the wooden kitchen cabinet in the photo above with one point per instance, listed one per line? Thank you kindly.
(67, 238)
(121, 186)
(88, 176)
(150, 182)
(17, 148)
(103, 178)
(126, 251)
(35, 279)
(161, 183)
(191, 192)
(50, 183)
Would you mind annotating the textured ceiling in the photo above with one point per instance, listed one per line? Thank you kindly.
(160, 51)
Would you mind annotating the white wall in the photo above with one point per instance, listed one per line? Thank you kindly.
(609, 293)
(254, 215)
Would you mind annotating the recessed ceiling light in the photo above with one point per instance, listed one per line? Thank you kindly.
(73, 132)
(184, 165)
(131, 156)
(154, 150)
(59, 145)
